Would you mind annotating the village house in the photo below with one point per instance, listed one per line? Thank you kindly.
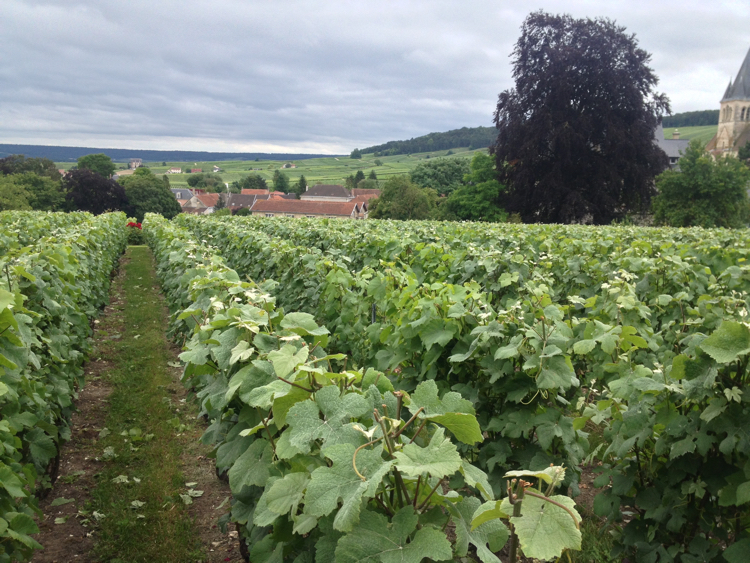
(182, 193)
(174, 171)
(334, 192)
(135, 163)
(301, 208)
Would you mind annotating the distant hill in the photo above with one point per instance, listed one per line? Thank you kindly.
(474, 137)
(691, 119)
(71, 154)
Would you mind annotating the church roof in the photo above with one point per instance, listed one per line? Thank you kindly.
(740, 89)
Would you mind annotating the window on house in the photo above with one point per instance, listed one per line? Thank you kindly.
(269, 214)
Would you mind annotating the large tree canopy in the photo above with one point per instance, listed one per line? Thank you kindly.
(441, 174)
(575, 135)
(251, 182)
(99, 163)
(704, 192)
(148, 193)
(19, 164)
(86, 190)
(402, 199)
(478, 199)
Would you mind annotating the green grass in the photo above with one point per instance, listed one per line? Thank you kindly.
(704, 133)
(142, 424)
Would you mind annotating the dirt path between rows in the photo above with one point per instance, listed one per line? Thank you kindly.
(68, 529)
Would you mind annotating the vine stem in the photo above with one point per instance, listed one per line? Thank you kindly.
(295, 384)
(408, 422)
(421, 506)
(354, 458)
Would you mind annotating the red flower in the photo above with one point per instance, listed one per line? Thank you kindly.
(134, 225)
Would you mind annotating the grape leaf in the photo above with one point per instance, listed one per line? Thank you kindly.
(287, 359)
(439, 458)
(374, 540)
(340, 481)
(306, 425)
(487, 537)
(426, 395)
(285, 494)
(475, 477)
(251, 468)
(727, 342)
(545, 530)
(303, 324)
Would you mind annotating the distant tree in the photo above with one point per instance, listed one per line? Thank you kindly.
(378, 162)
(85, 190)
(402, 199)
(18, 164)
(744, 154)
(208, 181)
(704, 192)
(243, 211)
(442, 175)
(372, 175)
(163, 163)
(478, 199)
(358, 176)
(43, 193)
(349, 182)
(300, 187)
(251, 182)
(692, 118)
(13, 196)
(355, 154)
(575, 135)
(99, 163)
(368, 185)
(280, 182)
(221, 205)
(147, 193)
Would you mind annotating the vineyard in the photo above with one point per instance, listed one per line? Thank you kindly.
(402, 391)
(369, 384)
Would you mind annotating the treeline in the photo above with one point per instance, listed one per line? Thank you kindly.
(35, 184)
(472, 137)
(71, 154)
(692, 118)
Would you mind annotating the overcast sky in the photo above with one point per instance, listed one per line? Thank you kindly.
(309, 76)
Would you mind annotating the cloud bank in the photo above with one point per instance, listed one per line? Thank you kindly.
(308, 76)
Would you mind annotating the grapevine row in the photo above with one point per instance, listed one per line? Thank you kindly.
(566, 334)
(49, 292)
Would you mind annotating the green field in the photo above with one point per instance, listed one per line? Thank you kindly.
(334, 170)
(328, 170)
(704, 132)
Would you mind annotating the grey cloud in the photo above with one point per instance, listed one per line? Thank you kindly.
(323, 74)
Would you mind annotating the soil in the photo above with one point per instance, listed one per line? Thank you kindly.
(66, 530)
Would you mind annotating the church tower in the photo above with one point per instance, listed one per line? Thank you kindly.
(734, 117)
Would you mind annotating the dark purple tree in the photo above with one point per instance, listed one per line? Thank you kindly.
(86, 190)
(576, 135)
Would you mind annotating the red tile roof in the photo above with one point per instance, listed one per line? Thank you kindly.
(343, 209)
(209, 200)
(254, 192)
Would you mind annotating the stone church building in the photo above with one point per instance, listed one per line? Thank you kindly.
(734, 116)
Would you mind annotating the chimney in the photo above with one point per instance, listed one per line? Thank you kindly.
(676, 135)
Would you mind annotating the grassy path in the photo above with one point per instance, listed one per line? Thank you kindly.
(139, 487)
(135, 483)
